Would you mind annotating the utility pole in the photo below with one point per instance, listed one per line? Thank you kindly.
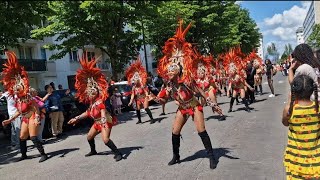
(144, 47)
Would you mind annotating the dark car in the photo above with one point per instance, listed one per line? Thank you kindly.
(3, 116)
(125, 90)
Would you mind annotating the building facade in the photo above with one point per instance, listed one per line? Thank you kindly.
(299, 35)
(260, 51)
(312, 18)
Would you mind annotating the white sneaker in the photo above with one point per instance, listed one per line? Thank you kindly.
(271, 95)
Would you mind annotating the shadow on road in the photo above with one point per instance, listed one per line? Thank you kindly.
(126, 151)
(218, 153)
(216, 117)
(61, 153)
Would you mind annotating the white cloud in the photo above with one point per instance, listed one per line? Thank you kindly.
(281, 28)
(305, 4)
(238, 2)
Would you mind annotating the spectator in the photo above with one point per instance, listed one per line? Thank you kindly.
(60, 87)
(53, 86)
(304, 63)
(40, 102)
(16, 124)
(116, 101)
(270, 73)
(55, 109)
(302, 117)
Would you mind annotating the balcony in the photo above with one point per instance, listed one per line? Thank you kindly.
(29, 64)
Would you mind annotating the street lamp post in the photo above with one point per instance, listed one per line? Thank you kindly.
(144, 46)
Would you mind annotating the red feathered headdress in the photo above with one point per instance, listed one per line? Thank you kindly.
(14, 75)
(136, 71)
(202, 63)
(257, 61)
(90, 77)
(178, 54)
(233, 60)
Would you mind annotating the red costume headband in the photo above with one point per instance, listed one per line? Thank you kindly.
(90, 77)
(178, 53)
(136, 71)
(13, 74)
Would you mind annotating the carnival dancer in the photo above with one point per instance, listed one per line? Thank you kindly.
(206, 80)
(137, 74)
(176, 67)
(15, 79)
(237, 77)
(257, 64)
(221, 75)
(92, 88)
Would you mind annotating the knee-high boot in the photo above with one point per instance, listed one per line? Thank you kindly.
(150, 115)
(39, 146)
(115, 150)
(207, 145)
(245, 101)
(92, 148)
(139, 116)
(175, 148)
(23, 149)
(260, 87)
(231, 104)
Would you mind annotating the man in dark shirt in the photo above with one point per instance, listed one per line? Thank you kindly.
(55, 109)
(251, 71)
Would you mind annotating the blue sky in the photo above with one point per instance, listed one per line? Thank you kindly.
(277, 20)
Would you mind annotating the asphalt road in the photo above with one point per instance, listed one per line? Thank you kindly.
(250, 146)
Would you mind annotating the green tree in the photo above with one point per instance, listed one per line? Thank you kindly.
(272, 52)
(18, 18)
(217, 25)
(286, 53)
(108, 25)
(314, 38)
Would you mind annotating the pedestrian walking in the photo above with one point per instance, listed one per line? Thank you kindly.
(116, 101)
(270, 72)
(302, 117)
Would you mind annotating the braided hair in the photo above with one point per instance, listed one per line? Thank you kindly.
(302, 88)
(304, 54)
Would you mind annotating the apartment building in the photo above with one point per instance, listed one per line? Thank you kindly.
(312, 18)
(299, 35)
(260, 51)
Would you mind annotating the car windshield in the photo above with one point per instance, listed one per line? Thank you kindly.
(123, 88)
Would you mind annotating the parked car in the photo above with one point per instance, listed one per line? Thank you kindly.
(125, 90)
(3, 116)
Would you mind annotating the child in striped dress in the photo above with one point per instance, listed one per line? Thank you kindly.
(302, 155)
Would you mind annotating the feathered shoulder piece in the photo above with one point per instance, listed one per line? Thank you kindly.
(14, 75)
(136, 71)
(178, 53)
(233, 60)
(89, 76)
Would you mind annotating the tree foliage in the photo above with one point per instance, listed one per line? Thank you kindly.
(108, 25)
(217, 25)
(18, 18)
(314, 38)
(272, 52)
(287, 52)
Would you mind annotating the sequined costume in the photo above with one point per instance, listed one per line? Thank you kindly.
(137, 75)
(16, 81)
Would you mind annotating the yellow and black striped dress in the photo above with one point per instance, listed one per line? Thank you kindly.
(302, 155)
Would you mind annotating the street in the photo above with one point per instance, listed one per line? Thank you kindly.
(249, 146)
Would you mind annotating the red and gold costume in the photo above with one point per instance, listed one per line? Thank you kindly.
(257, 64)
(137, 74)
(179, 56)
(15, 80)
(92, 88)
(235, 66)
(88, 80)
(176, 67)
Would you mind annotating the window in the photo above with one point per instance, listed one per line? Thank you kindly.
(91, 55)
(43, 53)
(25, 52)
(73, 56)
